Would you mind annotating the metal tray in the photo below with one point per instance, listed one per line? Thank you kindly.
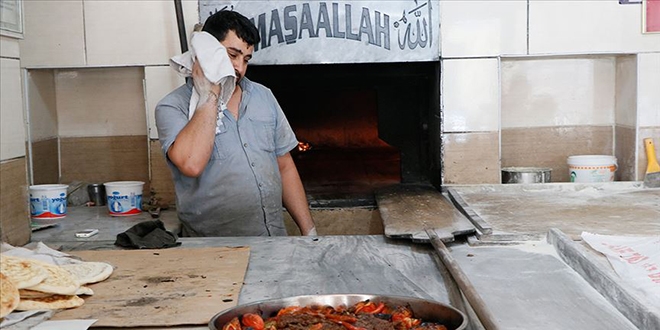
(427, 310)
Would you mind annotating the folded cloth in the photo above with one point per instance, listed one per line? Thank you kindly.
(147, 235)
(216, 65)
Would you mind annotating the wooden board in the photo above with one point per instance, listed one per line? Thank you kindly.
(163, 287)
(529, 211)
(408, 210)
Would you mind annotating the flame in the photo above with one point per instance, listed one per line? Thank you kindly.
(304, 146)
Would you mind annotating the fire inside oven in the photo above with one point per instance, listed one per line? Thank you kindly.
(360, 126)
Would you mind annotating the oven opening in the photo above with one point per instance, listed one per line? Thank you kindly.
(360, 127)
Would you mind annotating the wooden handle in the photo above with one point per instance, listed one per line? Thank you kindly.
(652, 162)
(478, 305)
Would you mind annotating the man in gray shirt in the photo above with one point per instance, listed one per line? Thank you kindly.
(232, 182)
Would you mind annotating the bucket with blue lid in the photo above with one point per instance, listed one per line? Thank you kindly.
(124, 198)
(48, 201)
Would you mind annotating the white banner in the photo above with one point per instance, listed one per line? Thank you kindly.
(304, 32)
(635, 259)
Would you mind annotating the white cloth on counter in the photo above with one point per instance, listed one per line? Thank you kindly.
(40, 252)
(216, 65)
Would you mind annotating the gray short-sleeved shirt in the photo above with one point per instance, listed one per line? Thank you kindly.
(240, 191)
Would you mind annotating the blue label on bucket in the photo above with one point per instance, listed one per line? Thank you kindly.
(43, 207)
(119, 204)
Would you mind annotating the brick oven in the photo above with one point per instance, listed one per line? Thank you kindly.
(368, 125)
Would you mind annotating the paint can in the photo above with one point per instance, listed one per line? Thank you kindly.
(591, 168)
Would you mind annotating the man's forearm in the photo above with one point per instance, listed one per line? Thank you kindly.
(193, 146)
(293, 195)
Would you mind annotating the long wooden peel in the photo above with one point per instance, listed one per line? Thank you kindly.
(478, 305)
(652, 177)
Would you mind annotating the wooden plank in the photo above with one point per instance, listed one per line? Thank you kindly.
(163, 287)
(408, 210)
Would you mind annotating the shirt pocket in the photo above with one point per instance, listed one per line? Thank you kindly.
(264, 133)
(220, 144)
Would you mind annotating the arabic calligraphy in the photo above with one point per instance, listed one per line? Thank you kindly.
(380, 28)
(421, 33)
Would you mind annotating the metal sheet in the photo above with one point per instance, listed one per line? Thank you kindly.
(304, 32)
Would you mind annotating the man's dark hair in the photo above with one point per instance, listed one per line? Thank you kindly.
(223, 21)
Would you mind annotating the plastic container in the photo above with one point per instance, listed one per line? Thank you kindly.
(124, 198)
(48, 201)
(592, 168)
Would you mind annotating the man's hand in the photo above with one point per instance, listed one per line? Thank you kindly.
(207, 90)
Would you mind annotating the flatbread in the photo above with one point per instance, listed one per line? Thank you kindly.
(84, 291)
(59, 281)
(24, 273)
(31, 294)
(51, 302)
(9, 297)
(90, 271)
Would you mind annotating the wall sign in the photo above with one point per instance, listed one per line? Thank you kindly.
(651, 16)
(11, 18)
(304, 32)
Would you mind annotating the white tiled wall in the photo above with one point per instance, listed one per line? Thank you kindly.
(470, 89)
(54, 34)
(76, 33)
(601, 26)
(483, 28)
(12, 126)
(43, 107)
(558, 91)
(134, 32)
(100, 102)
(9, 47)
(648, 101)
(158, 82)
(626, 91)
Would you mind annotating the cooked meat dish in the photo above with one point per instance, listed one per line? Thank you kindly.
(365, 315)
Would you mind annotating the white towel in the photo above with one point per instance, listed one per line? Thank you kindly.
(216, 65)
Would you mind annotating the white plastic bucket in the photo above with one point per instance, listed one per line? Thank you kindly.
(124, 198)
(592, 168)
(48, 201)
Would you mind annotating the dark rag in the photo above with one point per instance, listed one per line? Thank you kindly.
(147, 235)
